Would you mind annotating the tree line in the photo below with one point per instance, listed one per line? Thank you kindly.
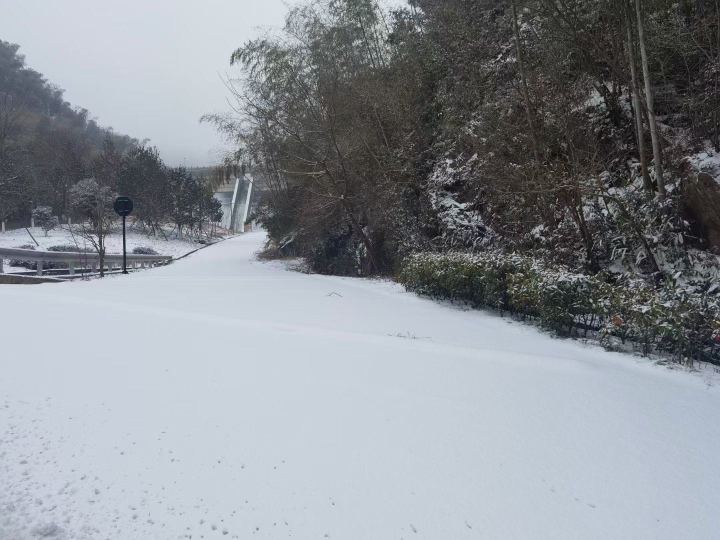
(567, 129)
(57, 164)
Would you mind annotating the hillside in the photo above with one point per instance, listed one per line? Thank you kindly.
(46, 144)
(582, 137)
(56, 162)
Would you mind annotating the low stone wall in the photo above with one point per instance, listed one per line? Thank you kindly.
(11, 279)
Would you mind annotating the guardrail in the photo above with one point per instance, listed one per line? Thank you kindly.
(82, 260)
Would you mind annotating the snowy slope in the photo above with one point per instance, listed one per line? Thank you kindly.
(222, 397)
(61, 236)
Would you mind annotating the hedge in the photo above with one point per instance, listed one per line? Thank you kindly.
(685, 325)
(144, 250)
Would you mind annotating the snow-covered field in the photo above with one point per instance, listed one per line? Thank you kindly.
(62, 236)
(222, 397)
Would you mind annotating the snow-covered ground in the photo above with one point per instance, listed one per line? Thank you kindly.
(62, 237)
(223, 397)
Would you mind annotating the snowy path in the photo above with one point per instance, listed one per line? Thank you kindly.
(255, 402)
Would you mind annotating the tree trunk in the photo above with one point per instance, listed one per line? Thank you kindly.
(525, 89)
(657, 151)
(577, 214)
(363, 237)
(639, 131)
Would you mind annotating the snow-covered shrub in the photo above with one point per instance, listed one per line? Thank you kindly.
(66, 248)
(87, 195)
(63, 248)
(459, 224)
(670, 319)
(562, 301)
(44, 218)
(480, 278)
(32, 265)
(144, 250)
(19, 263)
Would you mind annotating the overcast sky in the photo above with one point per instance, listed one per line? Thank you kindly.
(147, 68)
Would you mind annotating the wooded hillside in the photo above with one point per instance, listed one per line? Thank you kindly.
(47, 147)
(583, 134)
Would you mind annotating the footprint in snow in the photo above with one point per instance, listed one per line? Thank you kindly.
(48, 530)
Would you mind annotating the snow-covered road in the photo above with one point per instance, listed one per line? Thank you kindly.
(222, 397)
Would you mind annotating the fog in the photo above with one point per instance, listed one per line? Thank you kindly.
(147, 68)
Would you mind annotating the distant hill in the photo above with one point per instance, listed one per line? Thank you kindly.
(46, 144)
(29, 93)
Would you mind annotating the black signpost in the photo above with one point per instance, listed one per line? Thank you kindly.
(123, 207)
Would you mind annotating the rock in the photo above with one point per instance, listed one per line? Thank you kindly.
(701, 204)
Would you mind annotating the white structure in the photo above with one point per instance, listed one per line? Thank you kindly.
(235, 196)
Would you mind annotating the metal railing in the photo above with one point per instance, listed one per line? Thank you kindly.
(83, 260)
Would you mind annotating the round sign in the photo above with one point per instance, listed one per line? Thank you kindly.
(123, 206)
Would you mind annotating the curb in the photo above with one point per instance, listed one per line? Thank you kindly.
(203, 247)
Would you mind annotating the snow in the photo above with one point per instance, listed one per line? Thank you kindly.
(458, 222)
(707, 161)
(223, 397)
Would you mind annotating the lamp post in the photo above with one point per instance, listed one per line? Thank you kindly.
(123, 207)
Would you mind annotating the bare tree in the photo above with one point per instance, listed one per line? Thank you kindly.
(10, 180)
(529, 110)
(650, 102)
(92, 202)
(637, 108)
